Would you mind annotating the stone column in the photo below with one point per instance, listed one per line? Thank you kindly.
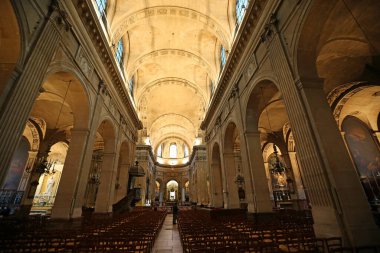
(183, 195)
(216, 186)
(16, 109)
(297, 176)
(104, 198)
(68, 204)
(122, 190)
(260, 184)
(232, 190)
(246, 172)
(338, 201)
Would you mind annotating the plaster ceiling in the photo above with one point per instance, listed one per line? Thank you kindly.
(172, 49)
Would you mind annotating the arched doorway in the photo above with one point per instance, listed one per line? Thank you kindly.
(54, 115)
(172, 191)
(233, 167)
(121, 185)
(48, 182)
(100, 185)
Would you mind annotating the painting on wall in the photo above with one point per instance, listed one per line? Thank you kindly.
(364, 150)
(18, 163)
(366, 155)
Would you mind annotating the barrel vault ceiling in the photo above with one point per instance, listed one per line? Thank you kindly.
(172, 48)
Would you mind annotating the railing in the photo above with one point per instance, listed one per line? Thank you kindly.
(10, 200)
(43, 200)
(281, 195)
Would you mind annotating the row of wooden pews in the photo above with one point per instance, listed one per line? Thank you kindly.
(131, 232)
(284, 232)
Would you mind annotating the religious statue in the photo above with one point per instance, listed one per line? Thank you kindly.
(49, 186)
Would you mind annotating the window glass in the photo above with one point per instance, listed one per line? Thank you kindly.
(173, 150)
(119, 52)
(159, 151)
(241, 6)
(223, 57)
(102, 7)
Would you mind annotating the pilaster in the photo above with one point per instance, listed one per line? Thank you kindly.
(232, 190)
(104, 198)
(338, 202)
(69, 200)
(15, 110)
(261, 193)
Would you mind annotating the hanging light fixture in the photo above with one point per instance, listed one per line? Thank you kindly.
(278, 168)
(44, 165)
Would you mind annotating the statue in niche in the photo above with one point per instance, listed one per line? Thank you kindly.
(49, 186)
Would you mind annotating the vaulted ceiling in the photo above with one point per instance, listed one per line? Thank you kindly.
(172, 49)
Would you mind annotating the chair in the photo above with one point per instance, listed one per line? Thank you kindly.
(333, 243)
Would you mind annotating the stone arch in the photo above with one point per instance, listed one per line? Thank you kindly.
(107, 131)
(69, 96)
(348, 48)
(10, 42)
(145, 15)
(80, 98)
(195, 58)
(359, 99)
(161, 81)
(100, 191)
(261, 94)
(124, 162)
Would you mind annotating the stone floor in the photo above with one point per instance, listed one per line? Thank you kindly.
(168, 240)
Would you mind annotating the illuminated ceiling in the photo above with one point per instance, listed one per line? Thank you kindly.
(172, 49)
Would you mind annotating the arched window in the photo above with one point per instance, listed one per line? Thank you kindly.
(223, 57)
(173, 150)
(102, 7)
(131, 85)
(241, 6)
(185, 150)
(119, 52)
(159, 151)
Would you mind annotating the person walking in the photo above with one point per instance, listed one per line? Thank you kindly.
(175, 213)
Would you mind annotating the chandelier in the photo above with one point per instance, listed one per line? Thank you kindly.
(277, 168)
(45, 166)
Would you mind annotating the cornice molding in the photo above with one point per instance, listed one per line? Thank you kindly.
(91, 22)
(251, 19)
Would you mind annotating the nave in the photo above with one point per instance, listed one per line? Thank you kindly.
(146, 230)
(266, 106)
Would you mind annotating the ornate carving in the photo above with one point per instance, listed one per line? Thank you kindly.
(270, 28)
(62, 18)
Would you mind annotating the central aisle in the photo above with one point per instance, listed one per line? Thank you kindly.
(168, 240)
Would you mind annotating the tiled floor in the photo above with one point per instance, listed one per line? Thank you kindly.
(168, 240)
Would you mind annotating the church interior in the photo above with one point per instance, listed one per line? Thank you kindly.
(189, 126)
